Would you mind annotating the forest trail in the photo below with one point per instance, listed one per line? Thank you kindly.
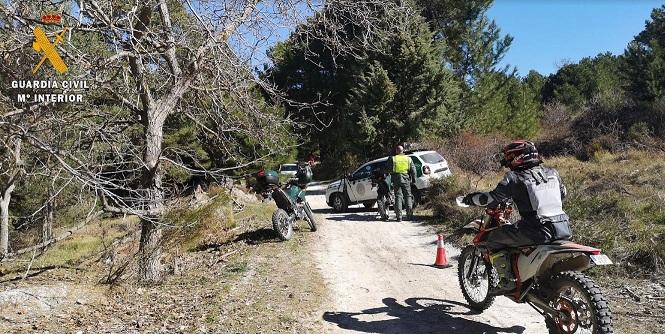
(379, 277)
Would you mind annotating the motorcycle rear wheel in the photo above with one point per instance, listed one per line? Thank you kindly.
(282, 224)
(578, 296)
(476, 287)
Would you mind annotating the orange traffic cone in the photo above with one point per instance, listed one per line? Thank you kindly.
(441, 260)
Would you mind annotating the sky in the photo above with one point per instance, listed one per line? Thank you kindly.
(547, 32)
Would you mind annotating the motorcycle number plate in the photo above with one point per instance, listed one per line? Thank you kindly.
(601, 260)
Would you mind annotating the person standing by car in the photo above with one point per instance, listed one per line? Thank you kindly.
(403, 173)
(381, 180)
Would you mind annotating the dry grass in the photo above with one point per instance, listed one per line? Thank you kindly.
(86, 243)
(250, 284)
(616, 202)
(204, 225)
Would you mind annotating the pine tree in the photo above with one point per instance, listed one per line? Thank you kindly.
(396, 90)
(644, 60)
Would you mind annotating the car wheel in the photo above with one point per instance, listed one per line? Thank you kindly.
(369, 204)
(339, 203)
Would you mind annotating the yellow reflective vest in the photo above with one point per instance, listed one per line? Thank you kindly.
(401, 164)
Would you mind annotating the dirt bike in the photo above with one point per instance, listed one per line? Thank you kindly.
(291, 202)
(548, 277)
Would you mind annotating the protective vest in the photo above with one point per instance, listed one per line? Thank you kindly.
(537, 192)
(401, 164)
(544, 192)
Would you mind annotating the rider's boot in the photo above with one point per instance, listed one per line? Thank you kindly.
(409, 214)
(383, 207)
(503, 266)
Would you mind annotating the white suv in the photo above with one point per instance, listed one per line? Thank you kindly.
(357, 187)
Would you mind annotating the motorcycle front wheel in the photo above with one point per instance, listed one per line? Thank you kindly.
(583, 307)
(310, 217)
(475, 279)
(282, 224)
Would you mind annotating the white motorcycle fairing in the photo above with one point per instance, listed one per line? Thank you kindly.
(557, 257)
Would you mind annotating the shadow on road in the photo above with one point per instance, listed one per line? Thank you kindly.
(322, 210)
(256, 237)
(364, 217)
(418, 316)
(349, 210)
(430, 265)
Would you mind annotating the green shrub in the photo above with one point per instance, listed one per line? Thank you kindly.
(447, 215)
(615, 203)
(640, 132)
(204, 226)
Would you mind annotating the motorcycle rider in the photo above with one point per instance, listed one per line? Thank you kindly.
(537, 191)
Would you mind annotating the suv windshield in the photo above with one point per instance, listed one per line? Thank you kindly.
(432, 158)
(366, 171)
(289, 168)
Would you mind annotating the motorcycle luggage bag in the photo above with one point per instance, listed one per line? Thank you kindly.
(559, 227)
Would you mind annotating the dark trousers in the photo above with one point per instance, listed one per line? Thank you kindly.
(522, 233)
(402, 188)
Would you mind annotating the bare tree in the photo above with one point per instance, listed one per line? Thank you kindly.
(155, 62)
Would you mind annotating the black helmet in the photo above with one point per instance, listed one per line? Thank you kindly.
(520, 154)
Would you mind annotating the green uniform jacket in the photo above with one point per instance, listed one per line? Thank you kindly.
(412, 168)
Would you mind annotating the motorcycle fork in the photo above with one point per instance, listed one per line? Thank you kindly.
(516, 273)
(474, 263)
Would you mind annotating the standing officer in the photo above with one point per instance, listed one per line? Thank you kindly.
(403, 174)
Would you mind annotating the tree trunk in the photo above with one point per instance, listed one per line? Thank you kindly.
(47, 224)
(151, 233)
(4, 221)
(6, 197)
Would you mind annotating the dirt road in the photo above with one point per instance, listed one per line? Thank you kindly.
(380, 280)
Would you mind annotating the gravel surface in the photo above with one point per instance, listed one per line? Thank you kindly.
(381, 280)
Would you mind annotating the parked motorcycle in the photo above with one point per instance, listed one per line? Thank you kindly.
(548, 277)
(290, 199)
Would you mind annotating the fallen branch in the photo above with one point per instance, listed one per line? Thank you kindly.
(36, 272)
(30, 264)
(223, 257)
(632, 294)
(656, 298)
(56, 239)
(117, 242)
